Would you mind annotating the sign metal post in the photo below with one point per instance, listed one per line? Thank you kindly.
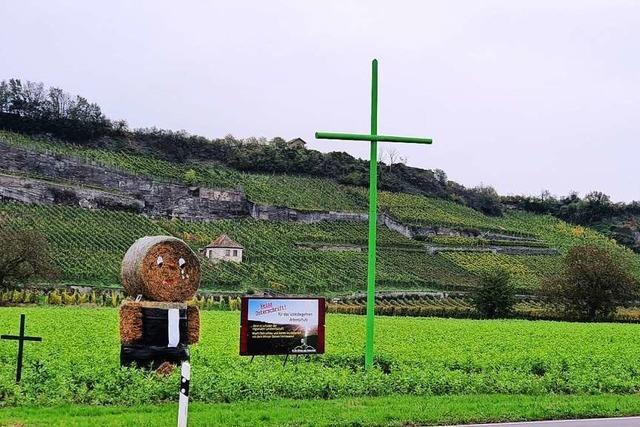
(183, 402)
(373, 137)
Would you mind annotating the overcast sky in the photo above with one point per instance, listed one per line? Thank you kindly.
(523, 96)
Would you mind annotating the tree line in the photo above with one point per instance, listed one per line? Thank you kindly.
(31, 107)
(592, 208)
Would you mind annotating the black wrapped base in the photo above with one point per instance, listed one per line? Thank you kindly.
(151, 357)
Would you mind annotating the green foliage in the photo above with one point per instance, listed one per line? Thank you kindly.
(482, 241)
(593, 209)
(486, 200)
(28, 106)
(304, 193)
(78, 360)
(88, 245)
(526, 271)
(457, 241)
(592, 283)
(54, 298)
(299, 192)
(495, 296)
(153, 167)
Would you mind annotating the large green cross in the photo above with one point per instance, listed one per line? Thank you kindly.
(373, 197)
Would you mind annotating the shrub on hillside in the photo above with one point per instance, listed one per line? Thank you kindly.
(592, 283)
(484, 199)
(191, 177)
(495, 295)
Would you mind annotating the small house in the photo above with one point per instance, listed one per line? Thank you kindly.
(224, 249)
(297, 143)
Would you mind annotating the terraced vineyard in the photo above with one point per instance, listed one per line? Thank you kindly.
(274, 260)
(524, 269)
(88, 247)
(312, 193)
(283, 190)
(421, 210)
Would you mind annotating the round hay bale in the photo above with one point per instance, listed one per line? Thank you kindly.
(161, 268)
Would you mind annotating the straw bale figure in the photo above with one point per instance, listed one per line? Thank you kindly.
(159, 274)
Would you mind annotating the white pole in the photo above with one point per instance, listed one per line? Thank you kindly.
(183, 403)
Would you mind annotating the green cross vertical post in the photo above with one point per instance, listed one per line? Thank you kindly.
(373, 137)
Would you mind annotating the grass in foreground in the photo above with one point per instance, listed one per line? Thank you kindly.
(376, 411)
(78, 361)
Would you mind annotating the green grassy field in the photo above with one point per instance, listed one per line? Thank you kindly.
(367, 411)
(78, 361)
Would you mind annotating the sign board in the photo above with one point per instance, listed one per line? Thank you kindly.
(281, 325)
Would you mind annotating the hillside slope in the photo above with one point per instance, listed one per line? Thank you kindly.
(439, 244)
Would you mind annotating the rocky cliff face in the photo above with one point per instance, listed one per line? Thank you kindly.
(89, 185)
(28, 190)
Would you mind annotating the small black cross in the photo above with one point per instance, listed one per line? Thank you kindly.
(21, 339)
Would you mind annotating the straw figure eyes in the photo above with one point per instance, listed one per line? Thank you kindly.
(181, 263)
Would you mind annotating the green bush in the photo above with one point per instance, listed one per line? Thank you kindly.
(495, 295)
(190, 177)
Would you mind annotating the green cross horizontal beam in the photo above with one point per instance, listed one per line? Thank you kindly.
(368, 137)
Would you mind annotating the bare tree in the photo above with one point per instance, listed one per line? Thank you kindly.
(389, 156)
(24, 254)
(5, 97)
